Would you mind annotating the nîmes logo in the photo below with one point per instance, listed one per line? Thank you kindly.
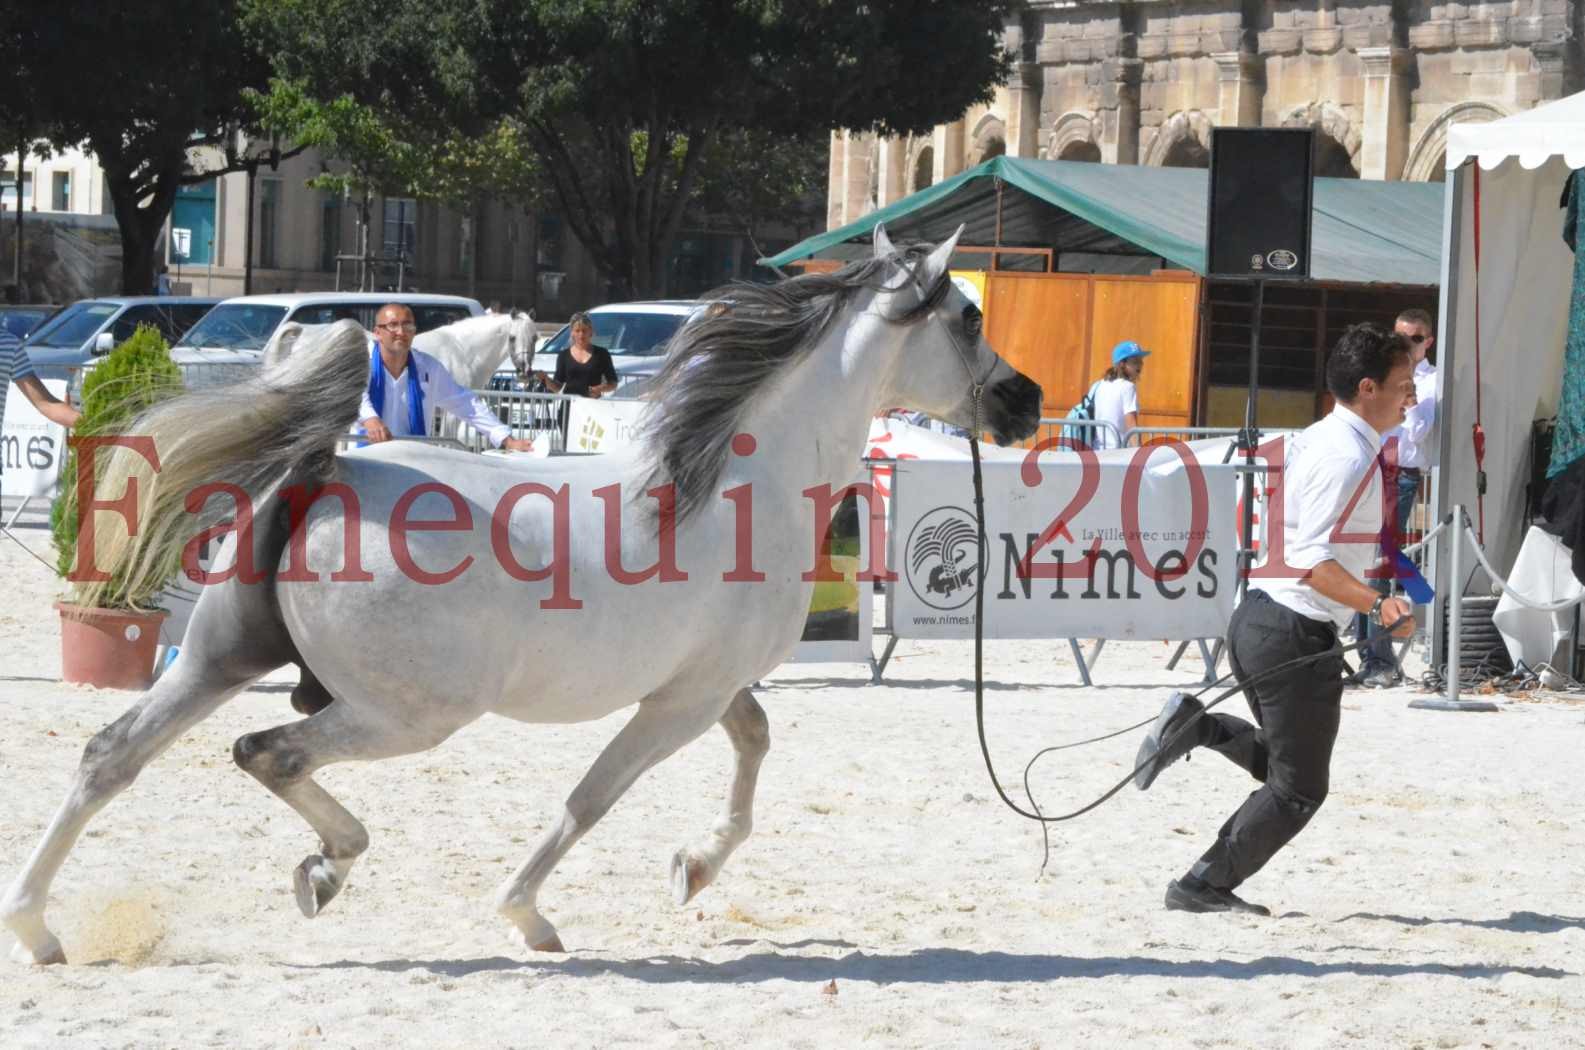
(943, 558)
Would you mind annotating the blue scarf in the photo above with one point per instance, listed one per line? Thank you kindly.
(415, 393)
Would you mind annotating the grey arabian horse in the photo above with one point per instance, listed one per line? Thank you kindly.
(415, 561)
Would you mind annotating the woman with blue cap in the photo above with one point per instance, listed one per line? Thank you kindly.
(1117, 395)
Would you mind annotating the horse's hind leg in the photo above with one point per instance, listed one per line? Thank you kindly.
(694, 869)
(283, 759)
(184, 696)
(660, 727)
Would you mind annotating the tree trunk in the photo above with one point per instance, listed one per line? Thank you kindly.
(138, 240)
(140, 222)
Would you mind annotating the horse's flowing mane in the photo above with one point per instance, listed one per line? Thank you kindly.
(718, 361)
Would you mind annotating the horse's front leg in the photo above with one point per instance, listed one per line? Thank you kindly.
(695, 868)
(660, 727)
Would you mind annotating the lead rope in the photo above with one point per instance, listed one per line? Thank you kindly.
(977, 392)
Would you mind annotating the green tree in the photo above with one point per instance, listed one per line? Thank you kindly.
(24, 112)
(156, 91)
(625, 102)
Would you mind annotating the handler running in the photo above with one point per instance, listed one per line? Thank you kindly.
(1332, 498)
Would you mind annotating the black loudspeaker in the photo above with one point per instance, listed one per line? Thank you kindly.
(1258, 222)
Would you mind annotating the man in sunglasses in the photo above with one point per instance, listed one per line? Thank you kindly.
(406, 385)
(1406, 454)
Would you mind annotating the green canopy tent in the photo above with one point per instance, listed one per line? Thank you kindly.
(1376, 249)
(1365, 232)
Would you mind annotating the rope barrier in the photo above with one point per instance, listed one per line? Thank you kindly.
(1480, 556)
(1428, 537)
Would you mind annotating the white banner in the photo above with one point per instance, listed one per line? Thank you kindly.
(602, 424)
(33, 448)
(1082, 547)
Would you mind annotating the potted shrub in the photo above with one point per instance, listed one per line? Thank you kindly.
(110, 631)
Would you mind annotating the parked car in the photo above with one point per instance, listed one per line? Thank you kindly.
(636, 334)
(89, 328)
(21, 320)
(236, 331)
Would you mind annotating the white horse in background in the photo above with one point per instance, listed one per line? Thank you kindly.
(472, 349)
(767, 395)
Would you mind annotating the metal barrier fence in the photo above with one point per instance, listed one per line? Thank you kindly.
(1051, 429)
(1158, 435)
(538, 417)
(196, 375)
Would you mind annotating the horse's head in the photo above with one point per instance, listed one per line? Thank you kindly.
(520, 338)
(946, 357)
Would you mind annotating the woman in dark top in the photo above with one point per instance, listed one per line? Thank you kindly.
(583, 368)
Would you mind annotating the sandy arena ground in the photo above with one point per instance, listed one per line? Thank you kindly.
(886, 898)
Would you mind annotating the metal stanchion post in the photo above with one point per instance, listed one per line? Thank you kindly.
(1455, 611)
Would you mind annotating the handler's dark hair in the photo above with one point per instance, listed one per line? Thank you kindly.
(1366, 351)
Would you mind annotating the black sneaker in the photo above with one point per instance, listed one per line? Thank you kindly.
(1209, 899)
(1176, 713)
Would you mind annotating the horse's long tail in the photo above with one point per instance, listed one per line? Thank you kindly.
(281, 423)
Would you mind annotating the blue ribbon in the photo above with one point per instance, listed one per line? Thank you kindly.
(1404, 570)
(415, 393)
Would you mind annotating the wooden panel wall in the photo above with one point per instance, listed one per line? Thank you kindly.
(1059, 329)
(1039, 324)
(1160, 314)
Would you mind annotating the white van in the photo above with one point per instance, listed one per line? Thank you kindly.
(236, 331)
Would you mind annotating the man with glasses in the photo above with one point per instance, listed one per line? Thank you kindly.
(406, 385)
(1406, 453)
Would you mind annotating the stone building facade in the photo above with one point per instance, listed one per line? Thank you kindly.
(1144, 81)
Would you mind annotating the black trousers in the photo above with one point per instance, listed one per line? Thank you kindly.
(1289, 749)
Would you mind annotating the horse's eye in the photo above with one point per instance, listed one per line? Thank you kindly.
(971, 320)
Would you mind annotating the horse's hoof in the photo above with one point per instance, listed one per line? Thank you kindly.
(689, 875)
(49, 954)
(314, 884)
(535, 933)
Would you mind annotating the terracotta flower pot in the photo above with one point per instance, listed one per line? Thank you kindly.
(108, 648)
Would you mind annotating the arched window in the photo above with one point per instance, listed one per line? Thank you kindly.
(1086, 151)
(995, 147)
(1331, 158)
(924, 168)
(1187, 152)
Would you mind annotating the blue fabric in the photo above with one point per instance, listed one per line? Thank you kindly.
(1568, 439)
(415, 393)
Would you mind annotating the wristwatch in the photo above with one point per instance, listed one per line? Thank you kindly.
(1375, 611)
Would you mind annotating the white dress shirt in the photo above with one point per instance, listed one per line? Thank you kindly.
(1331, 493)
(440, 391)
(1414, 433)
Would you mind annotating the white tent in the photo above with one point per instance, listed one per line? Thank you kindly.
(1511, 174)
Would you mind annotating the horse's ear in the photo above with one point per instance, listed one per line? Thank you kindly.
(939, 259)
(883, 243)
(281, 347)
